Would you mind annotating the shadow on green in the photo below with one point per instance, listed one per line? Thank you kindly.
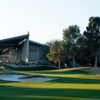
(17, 93)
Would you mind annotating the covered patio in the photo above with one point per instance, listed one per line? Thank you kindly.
(15, 48)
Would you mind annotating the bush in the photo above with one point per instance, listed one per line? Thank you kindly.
(2, 68)
(27, 64)
(8, 62)
(33, 62)
(45, 63)
(1, 61)
(39, 63)
(21, 62)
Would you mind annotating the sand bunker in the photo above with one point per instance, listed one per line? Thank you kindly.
(24, 78)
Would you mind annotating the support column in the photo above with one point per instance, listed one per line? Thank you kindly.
(25, 51)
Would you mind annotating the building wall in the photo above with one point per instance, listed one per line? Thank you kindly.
(25, 51)
(34, 52)
(29, 52)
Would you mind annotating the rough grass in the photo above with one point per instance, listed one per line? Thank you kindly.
(69, 85)
(90, 69)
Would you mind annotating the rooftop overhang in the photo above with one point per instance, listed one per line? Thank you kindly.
(14, 41)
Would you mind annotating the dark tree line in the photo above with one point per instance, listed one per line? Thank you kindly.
(82, 48)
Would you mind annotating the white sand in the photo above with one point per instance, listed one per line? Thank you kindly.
(15, 78)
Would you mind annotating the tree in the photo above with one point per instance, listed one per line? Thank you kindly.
(70, 36)
(57, 52)
(92, 36)
(82, 56)
(45, 50)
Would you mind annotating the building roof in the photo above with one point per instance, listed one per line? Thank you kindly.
(16, 41)
(33, 42)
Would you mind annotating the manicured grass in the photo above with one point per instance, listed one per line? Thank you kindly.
(69, 85)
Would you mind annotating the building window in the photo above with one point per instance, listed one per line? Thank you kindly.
(33, 50)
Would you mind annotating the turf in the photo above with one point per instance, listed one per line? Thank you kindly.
(68, 85)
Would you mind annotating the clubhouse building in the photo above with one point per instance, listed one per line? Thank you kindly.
(20, 48)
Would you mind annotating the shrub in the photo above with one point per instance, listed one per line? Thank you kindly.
(7, 62)
(33, 62)
(27, 64)
(39, 63)
(21, 62)
(45, 63)
(2, 68)
(1, 61)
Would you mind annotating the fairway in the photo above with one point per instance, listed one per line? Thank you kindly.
(68, 84)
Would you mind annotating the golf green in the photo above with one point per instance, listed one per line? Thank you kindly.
(68, 84)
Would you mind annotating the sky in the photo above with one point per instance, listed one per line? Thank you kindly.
(44, 19)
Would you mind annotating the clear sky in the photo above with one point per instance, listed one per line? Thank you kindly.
(44, 19)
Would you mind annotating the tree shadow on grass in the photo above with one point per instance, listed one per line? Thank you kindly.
(76, 80)
(18, 93)
(3, 81)
(62, 72)
(72, 79)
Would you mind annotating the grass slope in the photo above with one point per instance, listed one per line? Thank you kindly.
(69, 85)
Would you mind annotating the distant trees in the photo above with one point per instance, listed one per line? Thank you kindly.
(57, 52)
(92, 37)
(68, 47)
(45, 50)
(70, 36)
(84, 47)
